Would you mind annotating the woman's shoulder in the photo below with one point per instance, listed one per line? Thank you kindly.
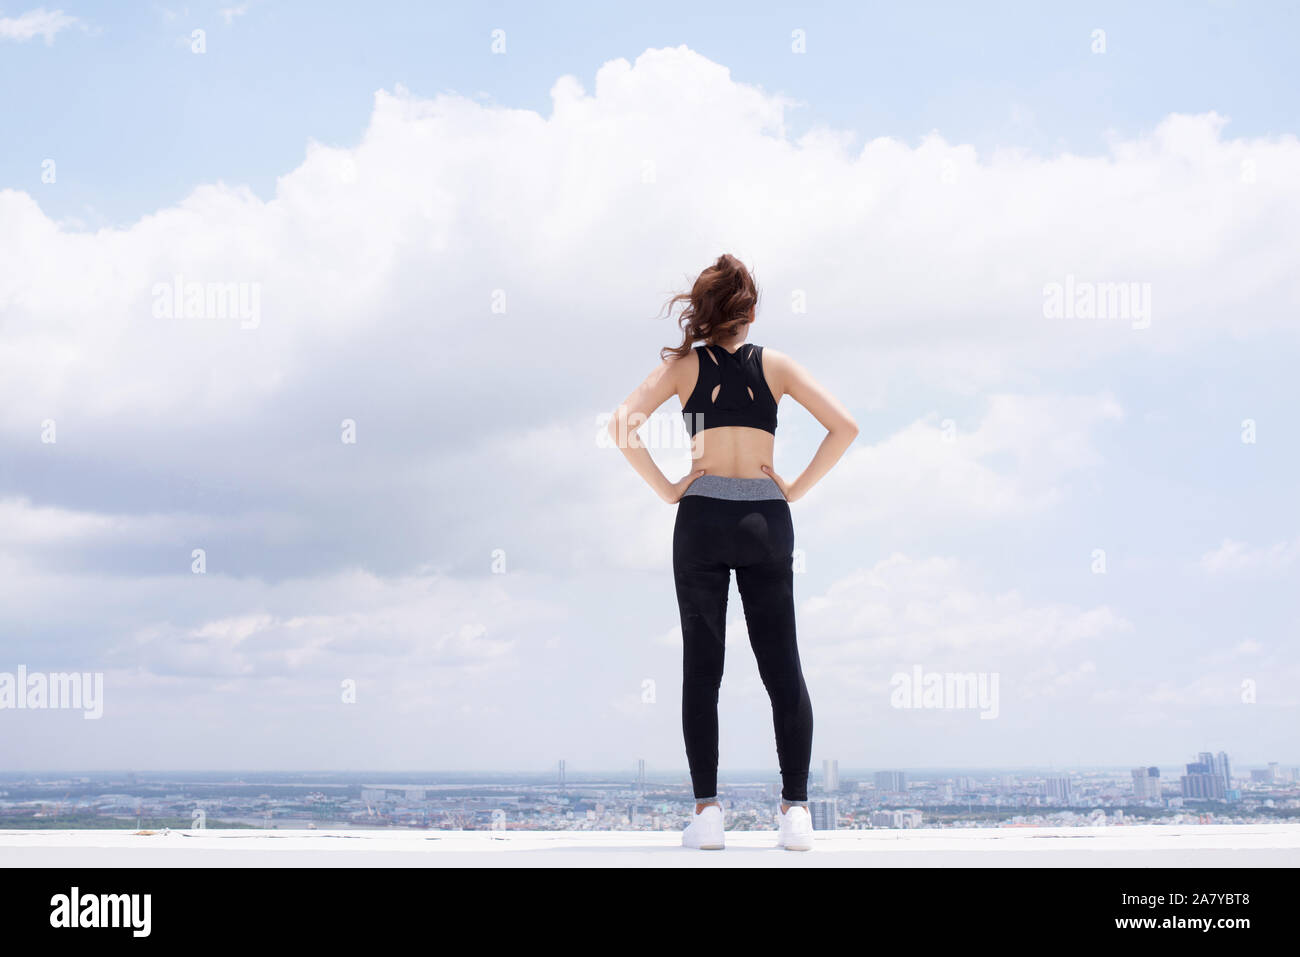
(775, 366)
(686, 360)
(681, 369)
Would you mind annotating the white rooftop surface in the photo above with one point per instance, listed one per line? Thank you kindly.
(1252, 845)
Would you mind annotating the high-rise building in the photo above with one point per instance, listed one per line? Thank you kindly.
(891, 781)
(825, 814)
(1057, 786)
(640, 774)
(1139, 783)
(561, 774)
(830, 776)
(1203, 780)
(1146, 784)
(1216, 764)
(1225, 769)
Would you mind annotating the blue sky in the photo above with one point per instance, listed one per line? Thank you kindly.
(378, 177)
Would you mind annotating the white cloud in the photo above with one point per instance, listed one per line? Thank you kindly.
(1016, 460)
(1234, 557)
(935, 609)
(402, 241)
(36, 23)
(229, 13)
(350, 623)
(409, 628)
(1053, 679)
(30, 526)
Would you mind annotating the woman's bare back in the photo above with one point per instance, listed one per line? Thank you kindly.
(731, 451)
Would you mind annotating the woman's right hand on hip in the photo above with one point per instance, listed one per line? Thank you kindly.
(677, 489)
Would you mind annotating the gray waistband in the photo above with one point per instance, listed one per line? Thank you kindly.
(735, 489)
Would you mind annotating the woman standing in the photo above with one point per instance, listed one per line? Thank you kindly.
(733, 513)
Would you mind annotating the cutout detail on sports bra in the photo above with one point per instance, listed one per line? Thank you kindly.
(737, 393)
(718, 388)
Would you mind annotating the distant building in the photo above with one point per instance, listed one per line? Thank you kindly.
(1216, 764)
(392, 793)
(825, 814)
(561, 773)
(830, 776)
(1057, 787)
(640, 774)
(891, 781)
(1203, 782)
(908, 818)
(1146, 784)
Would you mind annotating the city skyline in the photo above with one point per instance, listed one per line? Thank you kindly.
(1208, 793)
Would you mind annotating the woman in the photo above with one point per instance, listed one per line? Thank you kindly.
(732, 512)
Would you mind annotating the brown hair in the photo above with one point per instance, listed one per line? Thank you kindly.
(718, 305)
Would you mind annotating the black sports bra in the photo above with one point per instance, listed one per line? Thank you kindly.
(743, 399)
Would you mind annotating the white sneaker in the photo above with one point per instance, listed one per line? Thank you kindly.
(705, 830)
(796, 829)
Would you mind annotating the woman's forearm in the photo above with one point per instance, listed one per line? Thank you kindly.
(629, 443)
(646, 468)
(829, 452)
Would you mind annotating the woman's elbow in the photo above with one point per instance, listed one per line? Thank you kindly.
(622, 427)
(849, 429)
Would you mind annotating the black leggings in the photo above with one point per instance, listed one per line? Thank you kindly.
(756, 538)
